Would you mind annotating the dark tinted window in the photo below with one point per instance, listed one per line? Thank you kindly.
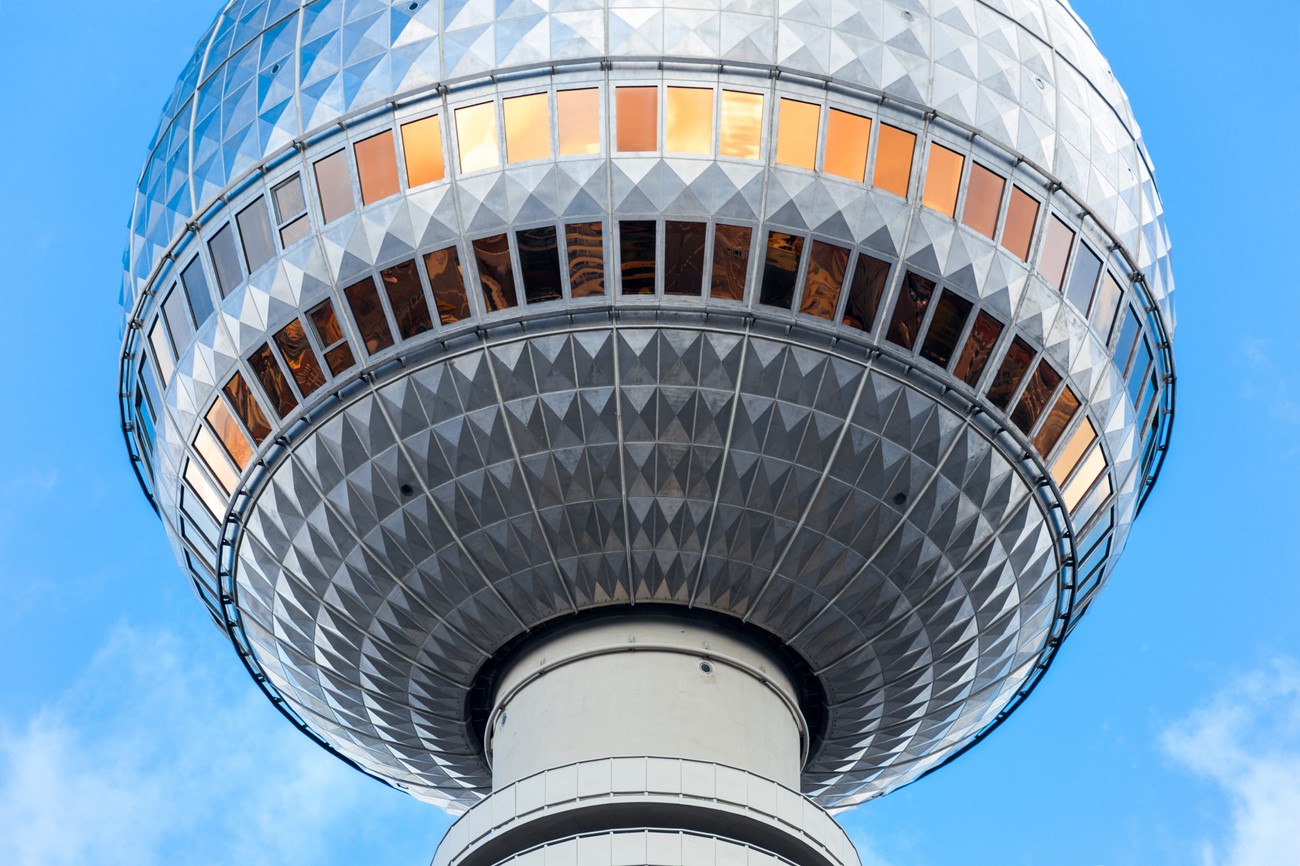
(1057, 420)
(730, 262)
(245, 406)
(949, 319)
(225, 259)
(684, 258)
(1010, 373)
(636, 241)
(495, 273)
(979, 346)
(448, 284)
(586, 250)
(338, 354)
(865, 292)
(298, 355)
(1041, 387)
(909, 312)
(255, 233)
(780, 269)
(368, 313)
(827, 265)
(406, 298)
(268, 372)
(539, 258)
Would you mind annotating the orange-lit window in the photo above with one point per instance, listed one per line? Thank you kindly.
(894, 152)
(1014, 366)
(245, 406)
(847, 139)
(214, 459)
(638, 118)
(528, 127)
(1084, 435)
(742, 124)
(730, 262)
(274, 384)
(476, 137)
(586, 250)
(979, 347)
(422, 145)
(300, 358)
(334, 186)
(1033, 402)
(796, 133)
(688, 120)
(1089, 471)
(1018, 233)
(448, 284)
(230, 434)
(338, 354)
(983, 200)
(942, 180)
(1056, 253)
(213, 501)
(496, 274)
(368, 313)
(1057, 420)
(377, 167)
(827, 265)
(579, 112)
(406, 299)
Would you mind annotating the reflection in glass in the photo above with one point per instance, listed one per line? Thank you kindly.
(865, 292)
(539, 262)
(1087, 267)
(255, 232)
(448, 284)
(1042, 385)
(796, 133)
(579, 112)
(406, 299)
(979, 346)
(338, 354)
(742, 124)
(245, 406)
(230, 434)
(684, 258)
(780, 269)
(1123, 347)
(295, 231)
(335, 187)
(476, 137)
(946, 325)
(942, 180)
(636, 242)
(197, 291)
(214, 459)
(847, 138)
(1084, 435)
(162, 351)
(1089, 471)
(496, 275)
(1010, 373)
(730, 262)
(422, 145)
(368, 313)
(377, 167)
(274, 384)
(1107, 307)
(298, 355)
(827, 265)
(1057, 420)
(1141, 361)
(638, 118)
(225, 260)
(894, 152)
(1056, 253)
(1018, 232)
(688, 120)
(528, 127)
(288, 199)
(586, 248)
(203, 489)
(909, 311)
(179, 323)
(983, 200)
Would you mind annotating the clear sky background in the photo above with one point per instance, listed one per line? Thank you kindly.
(1167, 734)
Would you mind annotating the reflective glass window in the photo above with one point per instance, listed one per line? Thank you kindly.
(827, 265)
(1107, 307)
(1100, 494)
(422, 147)
(1033, 402)
(288, 200)
(496, 274)
(528, 127)
(942, 180)
(406, 299)
(586, 249)
(1083, 278)
(213, 501)
(300, 357)
(225, 260)
(979, 347)
(448, 284)
(865, 291)
(684, 257)
(636, 242)
(476, 137)
(1082, 438)
(730, 262)
(162, 350)
(377, 167)
(195, 282)
(368, 313)
(230, 434)
(1018, 232)
(295, 231)
(255, 233)
(909, 311)
(638, 118)
(245, 405)
(1014, 366)
(1057, 420)
(1089, 471)
(335, 187)
(579, 112)
(539, 263)
(847, 139)
(338, 354)
(742, 124)
(1128, 336)
(1056, 252)
(1138, 371)
(983, 200)
(179, 323)
(214, 458)
(796, 133)
(946, 325)
(894, 152)
(274, 384)
(688, 120)
(780, 269)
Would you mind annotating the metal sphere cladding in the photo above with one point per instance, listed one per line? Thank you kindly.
(849, 324)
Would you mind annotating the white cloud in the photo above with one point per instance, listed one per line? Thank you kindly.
(1247, 741)
(1265, 382)
(159, 756)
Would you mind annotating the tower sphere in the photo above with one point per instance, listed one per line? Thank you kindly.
(843, 325)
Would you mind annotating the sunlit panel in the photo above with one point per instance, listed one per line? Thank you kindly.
(1084, 435)
(162, 351)
(214, 459)
(1089, 471)
(230, 434)
(742, 124)
(847, 138)
(688, 120)
(448, 284)
(827, 265)
(528, 127)
(637, 110)
(1018, 233)
(942, 180)
(780, 269)
(203, 489)
(579, 113)
(496, 273)
(377, 167)
(730, 262)
(476, 137)
(796, 133)
(909, 310)
(983, 200)
(586, 253)
(422, 145)
(684, 257)
(1056, 252)
(334, 186)
(894, 152)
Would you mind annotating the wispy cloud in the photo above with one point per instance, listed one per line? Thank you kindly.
(1247, 741)
(1267, 383)
(154, 757)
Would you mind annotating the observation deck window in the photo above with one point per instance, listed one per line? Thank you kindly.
(730, 262)
(1057, 420)
(1033, 402)
(338, 354)
(334, 187)
(207, 495)
(496, 275)
(448, 283)
(942, 180)
(946, 326)
(895, 150)
(1137, 372)
(579, 121)
(909, 310)
(422, 148)
(539, 264)
(214, 460)
(1018, 232)
(585, 244)
(225, 260)
(406, 299)
(865, 292)
(476, 137)
(368, 313)
(1127, 342)
(780, 269)
(1077, 445)
(1085, 476)
(684, 257)
(637, 114)
(1018, 358)
(688, 120)
(983, 200)
(274, 384)
(742, 124)
(1083, 279)
(163, 354)
(636, 242)
(827, 266)
(231, 436)
(528, 127)
(847, 138)
(255, 234)
(377, 167)
(300, 358)
(1109, 301)
(796, 134)
(290, 211)
(245, 405)
(1056, 253)
(179, 322)
(975, 354)
(197, 291)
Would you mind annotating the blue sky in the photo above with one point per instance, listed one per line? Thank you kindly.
(1168, 731)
